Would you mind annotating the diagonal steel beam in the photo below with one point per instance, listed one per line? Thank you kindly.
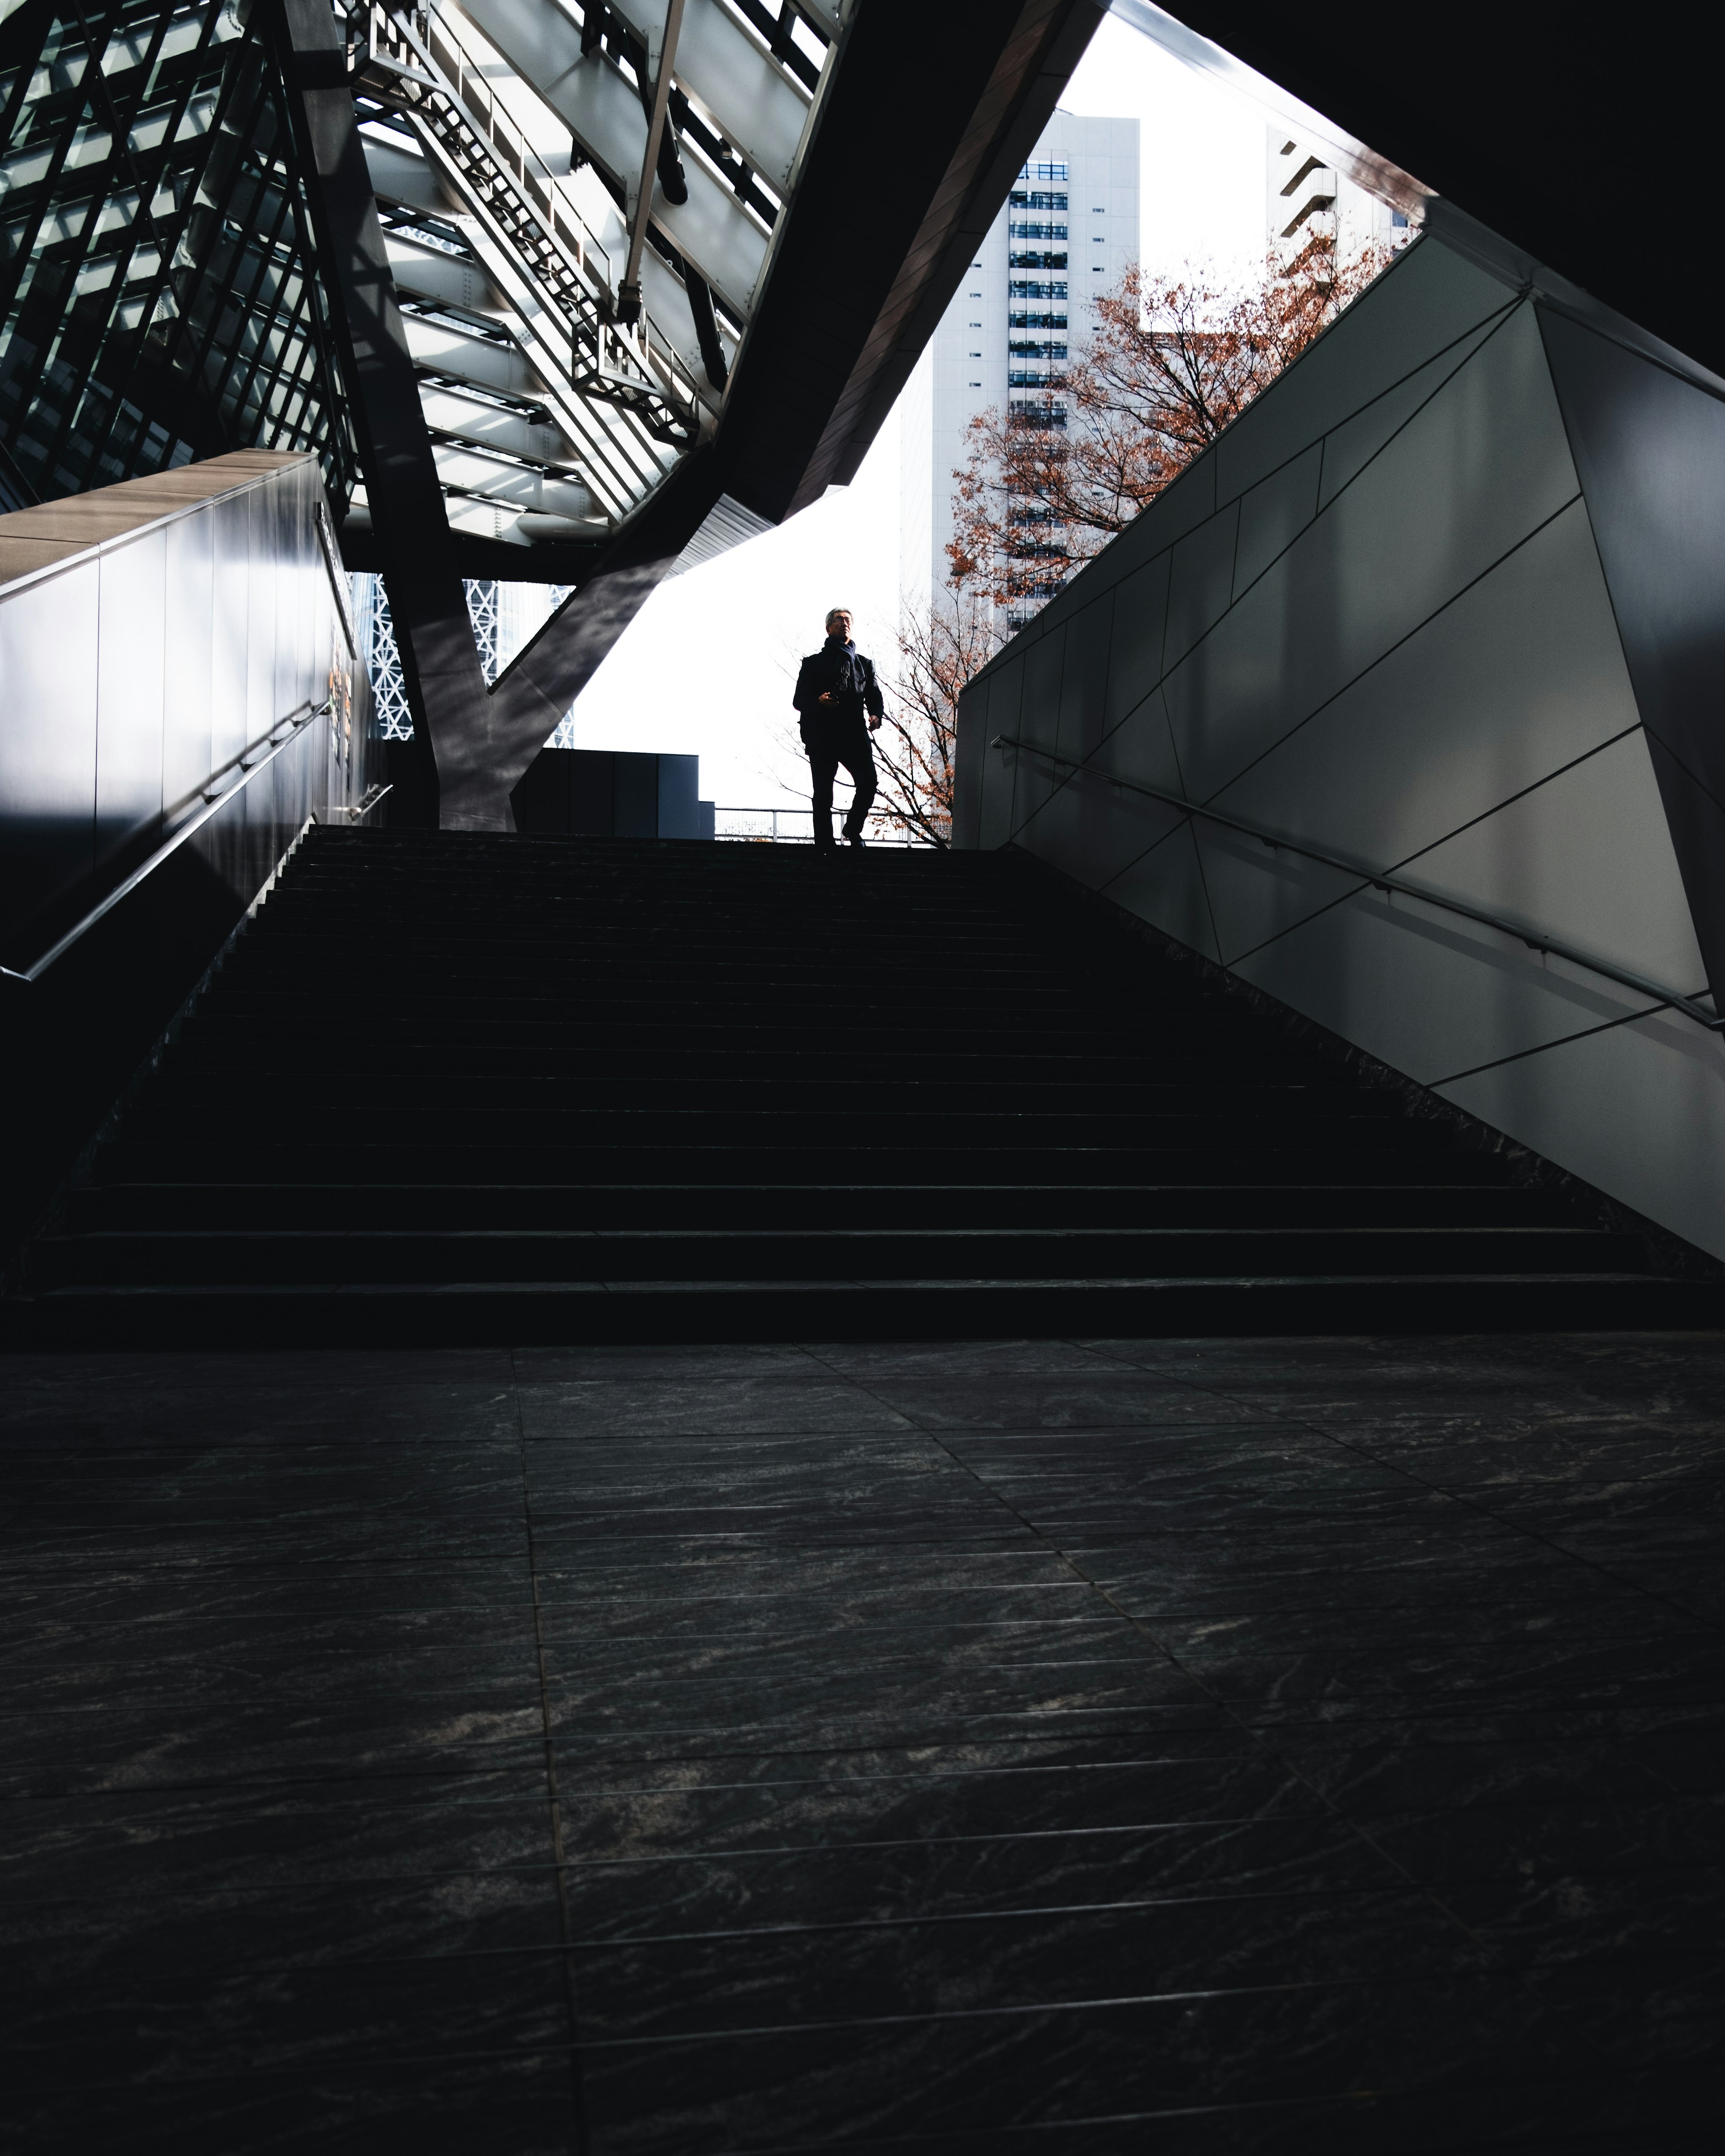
(628, 295)
(441, 668)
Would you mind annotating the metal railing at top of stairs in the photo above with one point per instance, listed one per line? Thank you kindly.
(216, 793)
(1386, 879)
(423, 64)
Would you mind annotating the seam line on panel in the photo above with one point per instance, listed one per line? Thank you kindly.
(1394, 868)
(1545, 1047)
(1698, 782)
(1322, 510)
(1389, 651)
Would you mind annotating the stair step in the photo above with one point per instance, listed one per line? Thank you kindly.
(466, 1087)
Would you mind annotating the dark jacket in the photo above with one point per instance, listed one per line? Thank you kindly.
(841, 667)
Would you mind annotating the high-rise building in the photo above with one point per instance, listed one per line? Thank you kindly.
(1068, 231)
(1305, 198)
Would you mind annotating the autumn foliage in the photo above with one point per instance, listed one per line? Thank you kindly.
(1164, 368)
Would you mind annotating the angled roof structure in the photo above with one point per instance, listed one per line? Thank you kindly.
(574, 290)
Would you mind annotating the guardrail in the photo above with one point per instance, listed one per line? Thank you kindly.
(795, 827)
(217, 791)
(1386, 879)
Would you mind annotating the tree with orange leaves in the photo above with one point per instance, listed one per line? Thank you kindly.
(1047, 484)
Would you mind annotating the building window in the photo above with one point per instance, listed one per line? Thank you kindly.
(1031, 260)
(1056, 171)
(1036, 231)
(1018, 290)
(1020, 199)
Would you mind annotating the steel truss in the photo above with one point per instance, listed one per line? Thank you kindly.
(573, 330)
(160, 296)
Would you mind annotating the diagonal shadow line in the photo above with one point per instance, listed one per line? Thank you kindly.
(1255, 1738)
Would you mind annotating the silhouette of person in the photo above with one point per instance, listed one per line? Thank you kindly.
(839, 706)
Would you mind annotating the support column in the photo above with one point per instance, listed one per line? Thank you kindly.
(440, 668)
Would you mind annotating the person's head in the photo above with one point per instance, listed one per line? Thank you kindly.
(839, 624)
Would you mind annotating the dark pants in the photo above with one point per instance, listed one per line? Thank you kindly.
(829, 746)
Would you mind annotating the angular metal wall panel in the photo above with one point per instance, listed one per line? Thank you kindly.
(1538, 859)
(1426, 993)
(1427, 298)
(1651, 449)
(1349, 449)
(1642, 1104)
(1436, 674)
(1166, 887)
(1480, 467)
(1139, 634)
(1084, 679)
(1201, 583)
(1274, 514)
(1039, 720)
(1521, 675)
(1006, 689)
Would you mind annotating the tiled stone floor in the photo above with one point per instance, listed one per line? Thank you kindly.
(1103, 1746)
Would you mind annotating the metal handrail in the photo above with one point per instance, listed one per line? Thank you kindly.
(296, 721)
(881, 819)
(1386, 880)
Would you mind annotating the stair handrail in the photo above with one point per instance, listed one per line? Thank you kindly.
(1386, 879)
(216, 795)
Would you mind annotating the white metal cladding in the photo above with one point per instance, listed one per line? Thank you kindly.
(1373, 620)
(159, 638)
(744, 85)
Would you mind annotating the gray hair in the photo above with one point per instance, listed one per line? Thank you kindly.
(834, 612)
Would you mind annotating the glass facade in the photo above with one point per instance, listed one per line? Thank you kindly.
(159, 300)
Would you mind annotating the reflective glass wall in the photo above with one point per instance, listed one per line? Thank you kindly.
(159, 294)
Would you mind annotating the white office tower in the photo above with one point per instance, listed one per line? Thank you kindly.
(1069, 229)
(1306, 199)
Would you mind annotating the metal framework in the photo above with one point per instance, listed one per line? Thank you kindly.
(160, 294)
(579, 205)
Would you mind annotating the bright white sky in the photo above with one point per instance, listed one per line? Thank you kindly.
(738, 625)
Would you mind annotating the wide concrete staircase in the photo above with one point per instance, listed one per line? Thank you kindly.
(450, 1088)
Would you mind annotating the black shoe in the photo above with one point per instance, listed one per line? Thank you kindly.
(854, 837)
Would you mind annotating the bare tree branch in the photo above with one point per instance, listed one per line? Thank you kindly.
(916, 749)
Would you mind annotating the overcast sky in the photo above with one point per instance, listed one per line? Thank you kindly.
(707, 666)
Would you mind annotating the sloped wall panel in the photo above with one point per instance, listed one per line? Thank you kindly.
(1388, 634)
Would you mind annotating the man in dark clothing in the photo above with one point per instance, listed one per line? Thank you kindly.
(836, 692)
